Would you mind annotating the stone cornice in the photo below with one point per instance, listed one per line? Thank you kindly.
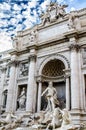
(13, 52)
(32, 46)
(75, 33)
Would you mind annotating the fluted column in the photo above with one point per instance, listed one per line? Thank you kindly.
(12, 83)
(31, 90)
(39, 96)
(3, 68)
(75, 86)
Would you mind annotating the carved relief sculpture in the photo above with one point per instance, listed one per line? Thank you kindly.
(32, 36)
(23, 69)
(74, 21)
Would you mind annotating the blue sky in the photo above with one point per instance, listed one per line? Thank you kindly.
(17, 15)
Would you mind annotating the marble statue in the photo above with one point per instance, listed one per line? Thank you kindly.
(23, 69)
(11, 121)
(8, 118)
(74, 21)
(22, 99)
(32, 36)
(51, 97)
(56, 119)
(66, 121)
(53, 12)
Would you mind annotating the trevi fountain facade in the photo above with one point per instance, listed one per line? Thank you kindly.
(43, 78)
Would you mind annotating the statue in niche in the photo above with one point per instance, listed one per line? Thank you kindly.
(51, 97)
(22, 99)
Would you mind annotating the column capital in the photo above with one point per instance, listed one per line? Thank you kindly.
(13, 63)
(32, 57)
(39, 79)
(74, 47)
(67, 73)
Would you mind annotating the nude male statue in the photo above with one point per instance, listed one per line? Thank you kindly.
(51, 97)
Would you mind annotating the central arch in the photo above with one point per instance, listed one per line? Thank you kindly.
(53, 68)
(53, 71)
(59, 57)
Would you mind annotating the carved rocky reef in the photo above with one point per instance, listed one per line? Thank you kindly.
(44, 120)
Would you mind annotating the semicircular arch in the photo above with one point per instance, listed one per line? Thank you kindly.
(55, 57)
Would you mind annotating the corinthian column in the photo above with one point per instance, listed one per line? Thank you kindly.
(75, 86)
(31, 90)
(12, 85)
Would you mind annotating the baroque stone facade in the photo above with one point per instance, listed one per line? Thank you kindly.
(54, 51)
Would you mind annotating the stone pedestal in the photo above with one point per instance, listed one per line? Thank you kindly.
(31, 90)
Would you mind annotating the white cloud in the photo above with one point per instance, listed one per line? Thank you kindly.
(60, 1)
(71, 0)
(44, 4)
(16, 7)
(27, 23)
(32, 3)
(5, 42)
(72, 9)
(18, 27)
(4, 23)
(13, 21)
(5, 6)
